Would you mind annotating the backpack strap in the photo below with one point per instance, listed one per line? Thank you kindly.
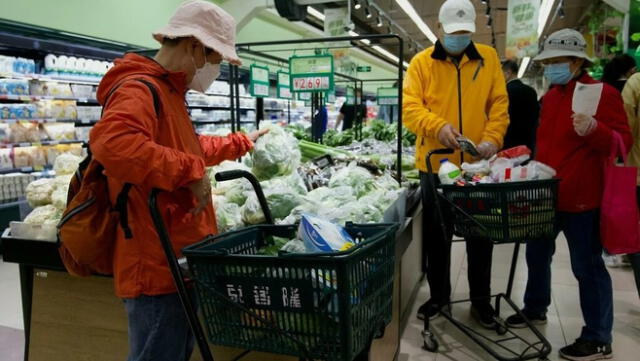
(123, 196)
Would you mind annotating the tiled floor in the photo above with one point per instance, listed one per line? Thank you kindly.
(565, 318)
(564, 325)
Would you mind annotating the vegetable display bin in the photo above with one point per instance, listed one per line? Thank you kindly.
(521, 211)
(325, 306)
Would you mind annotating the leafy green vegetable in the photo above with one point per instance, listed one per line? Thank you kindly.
(353, 176)
(333, 138)
(274, 244)
(275, 153)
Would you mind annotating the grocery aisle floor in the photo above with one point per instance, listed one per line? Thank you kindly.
(565, 318)
(564, 324)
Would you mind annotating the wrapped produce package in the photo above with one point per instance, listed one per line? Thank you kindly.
(275, 154)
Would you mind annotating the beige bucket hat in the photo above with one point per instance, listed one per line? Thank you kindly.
(565, 42)
(208, 23)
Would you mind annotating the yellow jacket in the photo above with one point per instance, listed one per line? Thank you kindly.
(435, 91)
(631, 97)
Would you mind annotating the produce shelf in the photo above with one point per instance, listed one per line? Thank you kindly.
(44, 142)
(30, 98)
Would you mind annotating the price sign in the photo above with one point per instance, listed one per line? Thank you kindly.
(311, 73)
(304, 96)
(351, 96)
(284, 83)
(259, 81)
(387, 96)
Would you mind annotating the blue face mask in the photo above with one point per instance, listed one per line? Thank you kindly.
(558, 73)
(456, 43)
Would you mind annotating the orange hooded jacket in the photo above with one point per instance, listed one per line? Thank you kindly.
(164, 152)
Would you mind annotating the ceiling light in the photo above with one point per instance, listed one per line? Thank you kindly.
(543, 16)
(561, 10)
(379, 23)
(353, 33)
(315, 13)
(523, 66)
(386, 53)
(367, 13)
(356, 4)
(413, 14)
(484, 2)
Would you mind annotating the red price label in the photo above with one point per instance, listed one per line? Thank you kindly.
(311, 83)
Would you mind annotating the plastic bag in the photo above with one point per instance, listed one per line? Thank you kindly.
(294, 246)
(39, 192)
(353, 176)
(480, 167)
(281, 202)
(59, 198)
(228, 216)
(66, 163)
(44, 215)
(235, 190)
(275, 153)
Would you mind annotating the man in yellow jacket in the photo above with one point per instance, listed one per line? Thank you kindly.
(455, 88)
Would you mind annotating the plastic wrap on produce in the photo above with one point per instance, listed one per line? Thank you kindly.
(275, 154)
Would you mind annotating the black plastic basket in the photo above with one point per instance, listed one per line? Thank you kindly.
(520, 211)
(317, 306)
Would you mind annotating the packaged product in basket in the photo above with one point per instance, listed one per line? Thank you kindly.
(320, 235)
(517, 155)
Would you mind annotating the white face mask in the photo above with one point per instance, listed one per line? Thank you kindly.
(205, 76)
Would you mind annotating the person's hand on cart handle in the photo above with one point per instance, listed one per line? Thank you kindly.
(447, 137)
(257, 134)
(487, 149)
(201, 189)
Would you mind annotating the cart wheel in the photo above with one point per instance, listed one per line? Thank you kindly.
(429, 341)
(501, 327)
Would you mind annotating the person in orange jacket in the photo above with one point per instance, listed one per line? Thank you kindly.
(161, 150)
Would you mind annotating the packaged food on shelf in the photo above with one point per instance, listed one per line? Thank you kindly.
(82, 133)
(60, 130)
(23, 132)
(14, 87)
(5, 159)
(61, 109)
(18, 111)
(39, 158)
(88, 112)
(82, 91)
(22, 156)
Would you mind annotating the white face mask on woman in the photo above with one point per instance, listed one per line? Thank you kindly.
(205, 76)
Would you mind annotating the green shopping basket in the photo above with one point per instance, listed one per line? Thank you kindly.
(325, 306)
(508, 212)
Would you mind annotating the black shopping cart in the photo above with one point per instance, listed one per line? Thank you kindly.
(322, 306)
(501, 213)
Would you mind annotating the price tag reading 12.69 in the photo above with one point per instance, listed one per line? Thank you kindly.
(311, 83)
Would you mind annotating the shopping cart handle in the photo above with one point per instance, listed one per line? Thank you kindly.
(235, 174)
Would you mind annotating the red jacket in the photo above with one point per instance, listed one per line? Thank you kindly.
(579, 160)
(136, 147)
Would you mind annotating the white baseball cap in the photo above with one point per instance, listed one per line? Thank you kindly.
(457, 15)
(208, 23)
(565, 42)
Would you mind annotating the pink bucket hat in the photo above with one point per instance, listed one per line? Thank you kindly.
(208, 23)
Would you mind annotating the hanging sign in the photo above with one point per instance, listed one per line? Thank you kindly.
(304, 96)
(284, 83)
(387, 96)
(351, 96)
(363, 69)
(259, 81)
(522, 28)
(311, 73)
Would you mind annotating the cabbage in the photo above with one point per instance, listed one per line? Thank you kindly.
(44, 215)
(228, 216)
(358, 212)
(66, 163)
(39, 192)
(62, 182)
(332, 197)
(235, 191)
(275, 153)
(293, 181)
(59, 198)
(355, 177)
(281, 202)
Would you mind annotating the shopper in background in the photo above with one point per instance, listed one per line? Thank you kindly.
(350, 114)
(523, 109)
(618, 70)
(455, 88)
(162, 151)
(631, 97)
(576, 146)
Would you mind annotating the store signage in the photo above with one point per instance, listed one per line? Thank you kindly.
(363, 69)
(522, 28)
(259, 81)
(304, 96)
(330, 97)
(284, 85)
(311, 73)
(351, 96)
(387, 96)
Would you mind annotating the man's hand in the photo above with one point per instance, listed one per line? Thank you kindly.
(257, 134)
(447, 137)
(201, 189)
(487, 150)
(583, 124)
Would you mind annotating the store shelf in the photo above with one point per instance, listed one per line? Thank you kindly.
(42, 77)
(44, 142)
(50, 120)
(197, 122)
(17, 170)
(215, 107)
(30, 98)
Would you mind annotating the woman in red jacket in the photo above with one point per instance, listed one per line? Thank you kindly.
(576, 145)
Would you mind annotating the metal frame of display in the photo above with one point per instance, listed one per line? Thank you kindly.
(374, 39)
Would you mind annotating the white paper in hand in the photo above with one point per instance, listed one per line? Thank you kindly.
(586, 98)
